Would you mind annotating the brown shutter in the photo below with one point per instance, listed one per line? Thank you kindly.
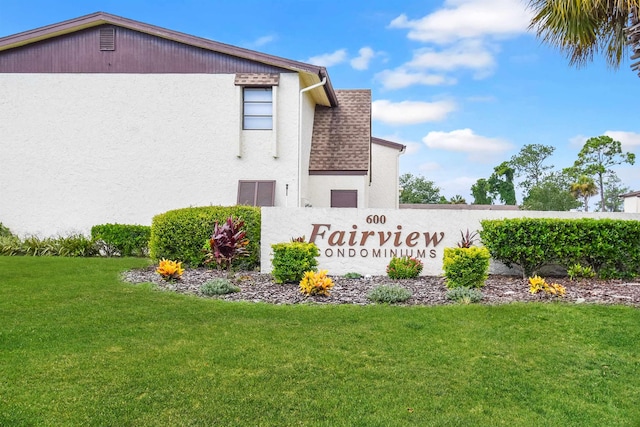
(344, 198)
(246, 193)
(266, 193)
(256, 193)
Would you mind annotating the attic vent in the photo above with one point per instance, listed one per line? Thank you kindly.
(107, 39)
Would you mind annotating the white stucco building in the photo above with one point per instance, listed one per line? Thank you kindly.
(631, 202)
(104, 119)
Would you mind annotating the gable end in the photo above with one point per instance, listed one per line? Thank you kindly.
(113, 49)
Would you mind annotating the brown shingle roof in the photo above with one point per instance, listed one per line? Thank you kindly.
(257, 79)
(341, 139)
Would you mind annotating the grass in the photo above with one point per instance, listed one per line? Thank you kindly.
(78, 347)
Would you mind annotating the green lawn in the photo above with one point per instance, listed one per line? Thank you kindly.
(78, 347)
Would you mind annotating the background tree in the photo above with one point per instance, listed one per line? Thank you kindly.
(551, 194)
(417, 189)
(501, 183)
(583, 28)
(597, 157)
(457, 200)
(481, 192)
(584, 188)
(528, 163)
(612, 191)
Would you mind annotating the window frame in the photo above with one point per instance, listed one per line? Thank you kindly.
(256, 103)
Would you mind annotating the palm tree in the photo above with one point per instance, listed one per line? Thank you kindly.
(584, 188)
(457, 200)
(583, 28)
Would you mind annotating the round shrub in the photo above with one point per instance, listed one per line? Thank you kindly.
(389, 294)
(292, 259)
(218, 286)
(466, 267)
(404, 268)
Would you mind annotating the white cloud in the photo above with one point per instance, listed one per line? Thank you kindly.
(629, 140)
(410, 112)
(329, 59)
(464, 140)
(471, 54)
(401, 78)
(577, 141)
(430, 167)
(361, 62)
(461, 35)
(261, 41)
(460, 19)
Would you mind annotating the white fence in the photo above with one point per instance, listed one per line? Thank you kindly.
(365, 240)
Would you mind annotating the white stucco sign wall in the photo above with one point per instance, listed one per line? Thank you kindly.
(365, 240)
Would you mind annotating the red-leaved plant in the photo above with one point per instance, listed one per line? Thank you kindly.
(227, 243)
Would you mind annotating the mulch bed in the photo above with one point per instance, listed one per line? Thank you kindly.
(426, 290)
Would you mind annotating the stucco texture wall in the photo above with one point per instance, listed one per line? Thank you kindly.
(320, 187)
(86, 149)
(364, 240)
(632, 204)
(384, 191)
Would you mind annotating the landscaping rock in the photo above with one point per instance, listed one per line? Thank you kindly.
(426, 290)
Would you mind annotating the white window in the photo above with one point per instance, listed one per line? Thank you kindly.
(258, 108)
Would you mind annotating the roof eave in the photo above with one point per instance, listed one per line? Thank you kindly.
(390, 144)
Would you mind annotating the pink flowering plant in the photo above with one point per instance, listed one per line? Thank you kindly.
(404, 268)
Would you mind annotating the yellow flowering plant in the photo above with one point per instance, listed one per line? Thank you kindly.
(313, 283)
(170, 270)
(538, 284)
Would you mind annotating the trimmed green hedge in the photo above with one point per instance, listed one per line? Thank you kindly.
(611, 247)
(122, 239)
(183, 234)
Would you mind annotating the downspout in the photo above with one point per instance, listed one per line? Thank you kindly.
(306, 89)
(402, 151)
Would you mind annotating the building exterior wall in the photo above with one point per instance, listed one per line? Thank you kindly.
(383, 192)
(632, 204)
(424, 234)
(320, 187)
(86, 149)
(306, 132)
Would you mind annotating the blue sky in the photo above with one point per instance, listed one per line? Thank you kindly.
(461, 82)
